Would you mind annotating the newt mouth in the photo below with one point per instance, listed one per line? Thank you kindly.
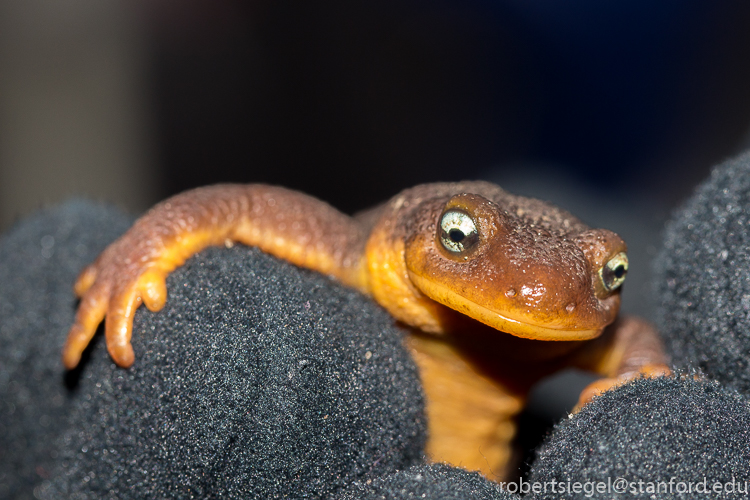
(519, 327)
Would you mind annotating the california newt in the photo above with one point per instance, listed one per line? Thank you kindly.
(499, 291)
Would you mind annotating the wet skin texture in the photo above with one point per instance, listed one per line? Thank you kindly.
(499, 291)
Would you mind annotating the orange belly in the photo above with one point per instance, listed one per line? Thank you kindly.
(471, 417)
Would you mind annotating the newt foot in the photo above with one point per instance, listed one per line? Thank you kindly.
(117, 300)
(599, 386)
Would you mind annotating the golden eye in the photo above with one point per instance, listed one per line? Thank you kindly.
(457, 231)
(614, 271)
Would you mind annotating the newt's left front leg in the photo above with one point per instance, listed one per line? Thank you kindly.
(289, 225)
(628, 349)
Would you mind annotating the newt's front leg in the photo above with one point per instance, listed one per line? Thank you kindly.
(629, 348)
(290, 225)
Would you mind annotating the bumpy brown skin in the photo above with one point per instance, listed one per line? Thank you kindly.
(526, 299)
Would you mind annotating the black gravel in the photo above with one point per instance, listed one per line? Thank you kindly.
(648, 432)
(39, 261)
(434, 482)
(702, 278)
(257, 380)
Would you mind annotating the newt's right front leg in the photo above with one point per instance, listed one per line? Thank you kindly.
(290, 225)
(629, 349)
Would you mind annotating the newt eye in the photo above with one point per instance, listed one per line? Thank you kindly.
(457, 231)
(614, 271)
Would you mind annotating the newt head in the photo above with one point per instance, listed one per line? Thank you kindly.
(522, 267)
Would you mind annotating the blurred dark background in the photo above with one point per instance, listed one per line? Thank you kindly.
(614, 110)
(354, 100)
